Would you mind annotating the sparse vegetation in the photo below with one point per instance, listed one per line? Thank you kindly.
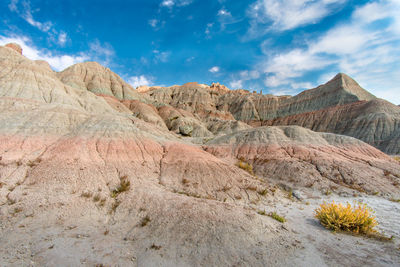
(102, 202)
(17, 210)
(123, 186)
(114, 206)
(262, 212)
(395, 200)
(263, 192)
(155, 247)
(87, 194)
(188, 194)
(145, 221)
(338, 217)
(245, 166)
(277, 217)
(290, 194)
(251, 187)
(34, 163)
(96, 198)
(386, 173)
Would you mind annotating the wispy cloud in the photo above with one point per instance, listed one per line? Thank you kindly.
(23, 9)
(153, 23)
(26, 13)
(140, 80)
(244, 76)
(281, 15)
(172, 3)
(62, 38)
(57, 61)
(161, 56)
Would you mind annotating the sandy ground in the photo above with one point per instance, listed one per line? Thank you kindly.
(321, 247)
(313, 245)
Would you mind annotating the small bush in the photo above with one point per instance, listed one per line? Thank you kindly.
(337, 217)
(263, 192)
(145, 221)
(386, 173)
(87, 194)
(155, 247)
(96, 197)
(262, 212)
(245, 166)
(124, 185)
(277, 217)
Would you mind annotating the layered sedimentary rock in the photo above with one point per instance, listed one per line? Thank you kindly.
(95, 173)
(65, 154)
(97, 79)
(340, 106)
(376, 122)
(301, 157)
(15, 47)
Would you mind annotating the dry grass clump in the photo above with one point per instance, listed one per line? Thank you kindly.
(245, 166)
(277, 217)
(145, 221)
(124, 185)
(338, 217)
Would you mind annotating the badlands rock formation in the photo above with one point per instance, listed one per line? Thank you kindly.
(340, 106)
(93, 172)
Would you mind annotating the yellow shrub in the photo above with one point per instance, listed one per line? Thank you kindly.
(357, 219)
(245, 166)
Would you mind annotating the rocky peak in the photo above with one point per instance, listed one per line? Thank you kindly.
(219, 87)
(344, 82)
(15, 47)
(93, 77)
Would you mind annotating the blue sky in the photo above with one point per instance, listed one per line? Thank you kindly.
(280, 47)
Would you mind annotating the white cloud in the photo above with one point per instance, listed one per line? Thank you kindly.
(167, 3)
(224, 12)
(237, 84)
(141, 80)
(58, 62)
(214, 69)
(284, 15)
(244, 76)
(249, 75)
(102, 52)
